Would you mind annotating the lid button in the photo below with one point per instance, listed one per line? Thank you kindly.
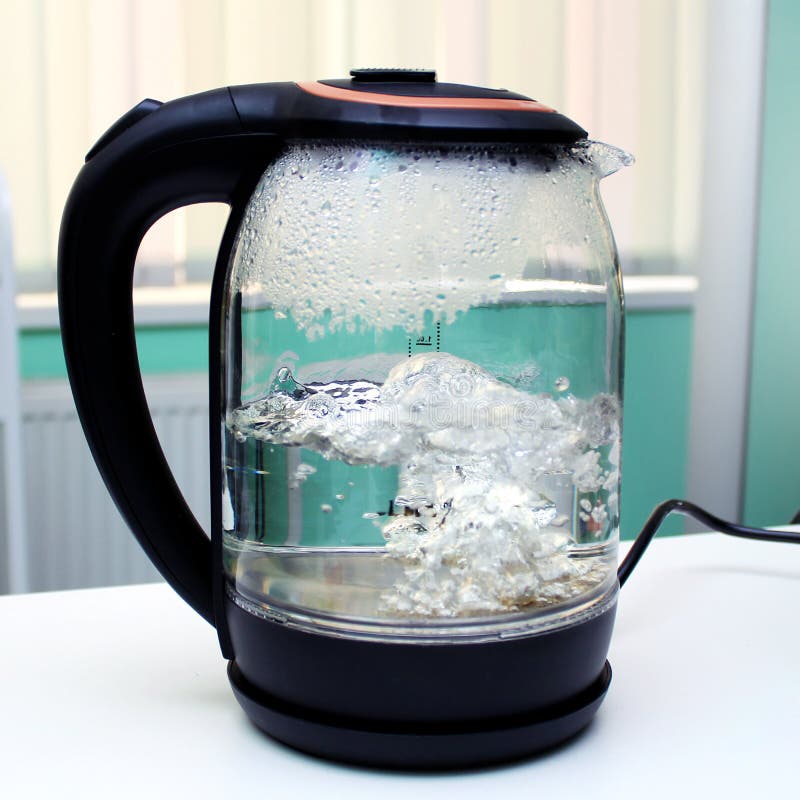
(383, 75)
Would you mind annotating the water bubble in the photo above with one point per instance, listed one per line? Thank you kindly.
(300, 474)
(544, 513)
(562, 383)
(370, 515)
(325, 508)
(284, 373)
(340, 497)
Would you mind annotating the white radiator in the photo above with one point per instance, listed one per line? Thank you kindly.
(76, 537)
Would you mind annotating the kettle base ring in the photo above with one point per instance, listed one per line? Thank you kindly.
(420, 746)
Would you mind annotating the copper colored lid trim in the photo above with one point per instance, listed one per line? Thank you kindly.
(474, 103)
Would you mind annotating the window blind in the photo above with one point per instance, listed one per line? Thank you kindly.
(630, 72)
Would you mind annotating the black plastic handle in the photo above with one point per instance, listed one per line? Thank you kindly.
(156, 159)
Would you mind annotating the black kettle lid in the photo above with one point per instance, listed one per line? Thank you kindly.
(401, 104)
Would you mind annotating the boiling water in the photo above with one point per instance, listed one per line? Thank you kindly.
(430, 361)
(499, 500)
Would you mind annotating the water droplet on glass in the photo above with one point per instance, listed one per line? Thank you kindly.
(562, 384)
(340, 497)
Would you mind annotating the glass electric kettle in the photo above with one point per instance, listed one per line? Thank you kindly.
(415, 393)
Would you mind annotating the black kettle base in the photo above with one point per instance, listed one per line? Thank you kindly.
(421, 746)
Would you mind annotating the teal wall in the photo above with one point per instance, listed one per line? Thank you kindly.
(656, 396)
(772, 472)
(656, 415)
(161, 350)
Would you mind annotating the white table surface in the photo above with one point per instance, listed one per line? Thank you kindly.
(121, 693)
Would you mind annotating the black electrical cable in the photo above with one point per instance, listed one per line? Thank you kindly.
(661, 512)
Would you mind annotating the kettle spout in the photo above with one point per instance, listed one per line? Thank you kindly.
(607, 159)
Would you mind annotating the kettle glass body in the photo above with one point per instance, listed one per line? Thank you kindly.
(421, 432)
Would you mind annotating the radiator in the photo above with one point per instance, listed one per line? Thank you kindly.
(76, 537)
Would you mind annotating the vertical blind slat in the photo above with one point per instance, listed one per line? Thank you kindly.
(652, 221)
(21, 132)
(66, 111)
(331, 38)
(617, 87)
(691, 30)
(460, 41)
(580, 46)
(525, 51)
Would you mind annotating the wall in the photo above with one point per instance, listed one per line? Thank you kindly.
(772, 493)
(656, 396)
(656, 416)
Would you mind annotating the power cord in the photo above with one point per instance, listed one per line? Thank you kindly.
(688, 509)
